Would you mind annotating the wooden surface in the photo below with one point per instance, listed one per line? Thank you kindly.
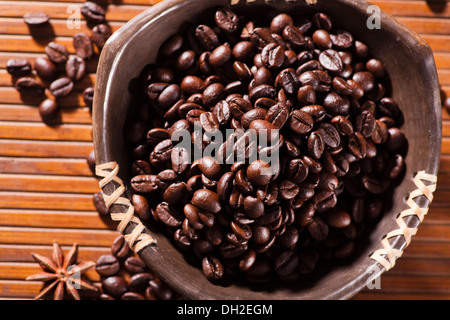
(46, 185)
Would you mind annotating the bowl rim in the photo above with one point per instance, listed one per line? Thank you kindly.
(119, 41)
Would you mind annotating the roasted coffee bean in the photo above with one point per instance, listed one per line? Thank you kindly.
(49, 111)
(376, 67)
(207, 37)
(365, 79)
(212, 268)
(100, 34)
(107, 265)
(57, 52)
(396, 139)
(286, 263)
(341, 86)
(319, 80)
(99, 203)
(342, 40)
(243, 51)
(324, 200)
(115, 286)
(329, 134)
(343, 125)
(395, 167)
(259, 173)
(288, 81)
(381, 132)
(93, 12)
(293, 36)
(322, 39)
(272, 55)
(160, 289)
(207, 200)
(297, 170)
(75, 68)
(226, 20)
(300, 122)
(62, 87)
(278, 114)
(252, 115)
(316, 145)
(331, 60)
(365, 124)
(37, 18)
(45, 69)
(141, 206)
(306, 95)
(336, 104)
(262, 91)
(279, 22)
(29, 86)
(119, 247)
(83, 45)
(318, 229)
(220, 55)
(145, 183)
(261, 37)
(168, 215)
(18, 67)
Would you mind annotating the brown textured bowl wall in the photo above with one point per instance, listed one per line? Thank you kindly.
(409, 62)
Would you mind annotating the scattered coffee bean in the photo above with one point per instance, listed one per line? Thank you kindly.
(83, 46)
(57, 52)
(61, 87)
(49, 111)
(93, 12)
(34, 19)
(18, 67)
(29, 86)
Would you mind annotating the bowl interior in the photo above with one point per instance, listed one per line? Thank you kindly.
(408, 61)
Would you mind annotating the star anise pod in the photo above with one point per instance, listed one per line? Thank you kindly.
(62, 272)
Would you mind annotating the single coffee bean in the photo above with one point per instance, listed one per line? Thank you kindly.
(29, 86)
(365, 79)
(207, 37)
(99, 203)
(115, 286)
(34, 19)
(83, 45)
(365, 124)
(330, 135)
(279, 22)
(322, 21)
(75, 68)
(318, 229)
(49, 111)
(259, 173)
(100, 34)
(286, 263)
(338, 218)
(261, 37)
(316, 145)
(297, 170)
(107, 265)
(300, 122)
(145, 183)
(272, 55)
(207, 200)
(288, 81)
(220, 55)
(57, 52)
(226, 20)
(139, 281)
(18, 67)
(141, 206)
(45, 69)
(278, 114)
(120, 248)
(342, 40)
(322, 39)
(293, 36)
(212, 268)
(93, 12)
(343, 125)
(168, 215)
(61, 88)
(331, 60)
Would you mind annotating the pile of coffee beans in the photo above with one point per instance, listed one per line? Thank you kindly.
(125, 276)
(54, 75)
(340, 147)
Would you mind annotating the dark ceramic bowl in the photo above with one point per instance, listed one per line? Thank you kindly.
(409, 62)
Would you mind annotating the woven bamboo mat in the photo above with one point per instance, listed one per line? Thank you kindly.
(46, 185)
